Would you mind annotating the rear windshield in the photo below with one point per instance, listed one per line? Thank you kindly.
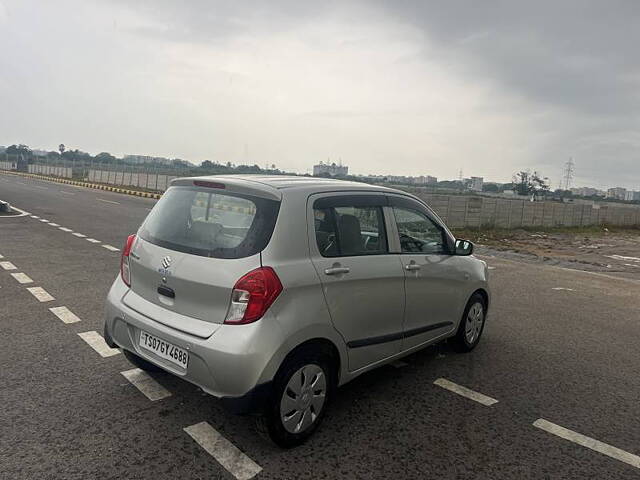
(207, 222)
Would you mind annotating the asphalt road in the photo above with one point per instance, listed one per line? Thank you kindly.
(560, 345)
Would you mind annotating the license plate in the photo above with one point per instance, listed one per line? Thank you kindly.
(164, 349)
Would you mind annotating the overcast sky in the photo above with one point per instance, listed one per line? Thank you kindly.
(394, 87)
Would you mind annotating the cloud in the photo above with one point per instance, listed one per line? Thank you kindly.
(401, 87)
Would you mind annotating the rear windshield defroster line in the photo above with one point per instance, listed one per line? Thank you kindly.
(208, 223)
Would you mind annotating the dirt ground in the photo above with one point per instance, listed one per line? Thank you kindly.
(601, 249)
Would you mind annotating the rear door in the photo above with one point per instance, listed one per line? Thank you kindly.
(192, 248)
(362, 282)
(434, 280)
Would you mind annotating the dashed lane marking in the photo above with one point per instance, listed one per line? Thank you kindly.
(34, 216)
(110, 247)
(79, 235)
(465, 392)
(146, 384)
(41, 294)
(225, 452)
(44, 220)
(8, 266)
(22, 278)
(95, 341)
(68, 193)
(107, 201)
(64, 314)
(65, 229)
(491, 268)
(92, 240)
(588, 442)
(51, 224)
(563, 288)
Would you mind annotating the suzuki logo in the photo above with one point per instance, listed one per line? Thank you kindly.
(166, 262)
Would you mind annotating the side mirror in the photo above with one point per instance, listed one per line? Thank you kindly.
(464, 247)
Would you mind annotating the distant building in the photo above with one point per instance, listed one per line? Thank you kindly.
(585, 191)
(617, 193)
(631, 196)
(425, 180)
(476, 184)
(330, 169)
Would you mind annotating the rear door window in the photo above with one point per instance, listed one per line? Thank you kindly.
(350, 230)
(211, 223)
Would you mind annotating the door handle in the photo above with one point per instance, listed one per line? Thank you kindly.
(411, 267)
(336, 270)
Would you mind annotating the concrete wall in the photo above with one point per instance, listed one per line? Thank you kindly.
(7, 165)
(51, 170)
(147, 181)
(475, 211)
(457, 211)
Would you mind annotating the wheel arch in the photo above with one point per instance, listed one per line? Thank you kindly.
(319, 344)
(484, 294)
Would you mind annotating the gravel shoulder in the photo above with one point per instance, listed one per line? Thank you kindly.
(596, 249)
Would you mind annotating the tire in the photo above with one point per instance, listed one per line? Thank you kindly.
(471, 324)
(310, 367)
(141, 363)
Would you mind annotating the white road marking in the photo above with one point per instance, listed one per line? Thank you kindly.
(399, 364)
(54, 224)
(41, 294)
(588, 442)
(465, 392)
(109, 247)
(34, 216)
(40, 186)
(22, 277)
(44, 220)
(563, 288)
(65, 229)
(92, 240)
(95, 341)
(107, 201)
(68, 193)
(491, 268)
(79, 235)
(8, 266)
(225, 452)
(64, 314)
(146, 384)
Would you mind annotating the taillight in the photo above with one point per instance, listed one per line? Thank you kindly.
(125, 269)
(252, 295)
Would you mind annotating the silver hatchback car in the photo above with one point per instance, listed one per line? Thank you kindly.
(268, 292)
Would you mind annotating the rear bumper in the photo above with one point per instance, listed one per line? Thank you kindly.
(230, 365)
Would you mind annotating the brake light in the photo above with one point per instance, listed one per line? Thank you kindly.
(125, 269)
(252, 296)
(204, 183)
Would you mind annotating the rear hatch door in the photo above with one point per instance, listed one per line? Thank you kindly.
(192, 248)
